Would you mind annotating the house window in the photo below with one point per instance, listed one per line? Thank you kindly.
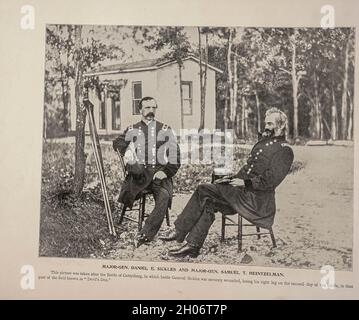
(187, 97)
(136, 96)
(116, 113)
(102, 115)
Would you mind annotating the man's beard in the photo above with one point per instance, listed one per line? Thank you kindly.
(267, 133)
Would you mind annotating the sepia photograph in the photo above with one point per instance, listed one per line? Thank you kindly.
(204, 144)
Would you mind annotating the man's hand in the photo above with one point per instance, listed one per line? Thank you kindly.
(159, 175)
(222, 180)
(237, 182)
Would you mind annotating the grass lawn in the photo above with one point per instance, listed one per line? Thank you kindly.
(77, 227)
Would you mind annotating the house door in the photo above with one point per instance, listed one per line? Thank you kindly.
(116, 113)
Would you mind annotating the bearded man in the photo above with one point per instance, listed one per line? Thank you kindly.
(250, 193)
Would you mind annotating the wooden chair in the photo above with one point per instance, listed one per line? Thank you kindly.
(140, 206)
(240, 234)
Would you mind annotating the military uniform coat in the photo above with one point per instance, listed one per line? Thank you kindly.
(156, 150)
(267, 165)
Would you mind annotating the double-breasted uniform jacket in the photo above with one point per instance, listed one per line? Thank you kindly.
(156, 149)
(267, 165)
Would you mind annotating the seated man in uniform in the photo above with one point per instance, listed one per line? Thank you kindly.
(251, 192)
(156, 161)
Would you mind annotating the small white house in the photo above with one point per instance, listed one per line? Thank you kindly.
(115, 111)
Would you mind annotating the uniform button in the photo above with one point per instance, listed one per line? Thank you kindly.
(256, 158)
(251, 165)
(275, 140)
(267, 144)
(257, 153)
(271, 142)
(260, 150)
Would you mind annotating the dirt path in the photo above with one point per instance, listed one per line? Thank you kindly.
(313, 225)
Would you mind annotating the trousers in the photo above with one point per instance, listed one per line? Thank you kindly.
(199, 214)
(154, 221)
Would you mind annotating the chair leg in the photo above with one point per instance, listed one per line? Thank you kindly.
(240, 233)
(122, 214)
(223, 229)
(168, 218)
(141, 213)
(272, 237)
(258, 231)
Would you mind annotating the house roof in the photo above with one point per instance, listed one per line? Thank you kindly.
(143, 65)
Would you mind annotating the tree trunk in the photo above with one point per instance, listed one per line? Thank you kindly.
(334, 115)
(243, 126)
(65, 101)
(230, 75)
(225, 111)
(258, 112)
(295, 89)
(344, 113)
(205, 81)
(317, 113)
(350, 123)
(235, 92)
(80, 158)
(44, 132)
(181, 93)
(321, 126)
(237, 124)
(201, 123)
(64, 85)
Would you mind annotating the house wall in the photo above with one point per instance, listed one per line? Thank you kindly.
(163, 84)
(169, 96)
(149, 88)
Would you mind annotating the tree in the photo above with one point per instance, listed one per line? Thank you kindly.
(80, 158)
(229, 104)
(59, 54)
(255, 58)
(295, 71)
(203, 73)
(344, 111)
(174, 41)
(85, 47)
(326, 67)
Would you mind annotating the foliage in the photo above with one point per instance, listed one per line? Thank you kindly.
(76, 226)
(264, 63)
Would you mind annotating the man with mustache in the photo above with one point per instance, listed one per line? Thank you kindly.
(251, 192)
(155, 160)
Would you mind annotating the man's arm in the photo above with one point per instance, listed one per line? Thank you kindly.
(173, 154)
(278, 169)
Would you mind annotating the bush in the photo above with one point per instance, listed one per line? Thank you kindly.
(77, 227)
